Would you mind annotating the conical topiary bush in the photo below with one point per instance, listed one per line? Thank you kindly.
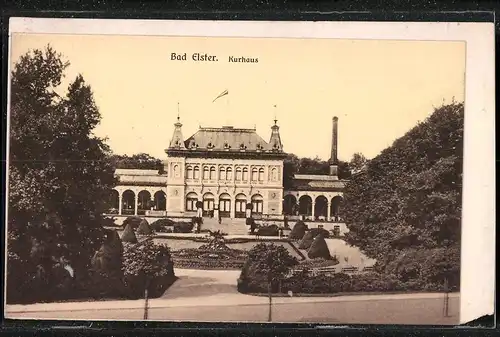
(298, 230)
(129, 235)
(319, 249)
(134, 221)
(144, 228)
(307, 240)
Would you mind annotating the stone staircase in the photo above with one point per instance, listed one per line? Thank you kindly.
(229, 226)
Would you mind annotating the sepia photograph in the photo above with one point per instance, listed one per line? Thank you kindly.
(176, 176)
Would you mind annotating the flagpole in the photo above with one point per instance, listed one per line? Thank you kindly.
(228, 122)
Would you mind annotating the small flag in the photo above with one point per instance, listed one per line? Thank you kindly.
(224, 93)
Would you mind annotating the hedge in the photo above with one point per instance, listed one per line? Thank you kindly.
(305, 283)
(271, 230)
(161, 224)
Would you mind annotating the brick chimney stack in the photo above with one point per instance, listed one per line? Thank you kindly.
(333, 157)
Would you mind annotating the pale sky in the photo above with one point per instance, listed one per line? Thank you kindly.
(378, 89)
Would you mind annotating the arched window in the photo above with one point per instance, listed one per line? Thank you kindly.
(189, 172)
(177, 171)
(257, 204)
(191, 199)
(274, 174)
(255, 173)
(222, 173)
(196, 174)
(238, 173)
(261, 174)
(212, 173)
(229, 173)
(206, 173)
(245, 174)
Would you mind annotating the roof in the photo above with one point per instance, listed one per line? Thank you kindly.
(136, 172)
(314, 182)
(140, 177)
(322, 177)
(227, 138)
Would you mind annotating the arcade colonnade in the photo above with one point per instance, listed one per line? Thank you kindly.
(313, 205)
(137, 200)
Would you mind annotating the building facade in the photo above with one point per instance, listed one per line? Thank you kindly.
(229, 172)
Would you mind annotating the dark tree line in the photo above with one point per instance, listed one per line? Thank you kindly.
(405, 208)
(137, 161)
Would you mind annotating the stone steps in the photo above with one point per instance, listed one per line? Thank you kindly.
(229, 226)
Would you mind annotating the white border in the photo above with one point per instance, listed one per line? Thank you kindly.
(478, 236)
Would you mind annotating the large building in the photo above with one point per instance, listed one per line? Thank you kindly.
(227, 169)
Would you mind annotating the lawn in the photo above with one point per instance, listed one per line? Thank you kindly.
(346, 254)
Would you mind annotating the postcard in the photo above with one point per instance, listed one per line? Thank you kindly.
(262, 172)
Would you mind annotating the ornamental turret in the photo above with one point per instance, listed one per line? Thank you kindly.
(177, 141)
(275, 141)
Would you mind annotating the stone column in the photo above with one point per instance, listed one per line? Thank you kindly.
(313, 205)
(120, 203)
(136, 195)
(329, 208)
(233, 207)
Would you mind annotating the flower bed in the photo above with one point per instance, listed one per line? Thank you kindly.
(202, 258)
(318, 263)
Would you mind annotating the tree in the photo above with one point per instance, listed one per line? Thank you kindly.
(270, 261)
(59, 172)
(144, 263)
(358, 161)
(137, 161)
(408, 200)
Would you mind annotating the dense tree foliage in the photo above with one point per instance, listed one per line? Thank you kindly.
(405, 209)
(59, 172)
(357, 162)
(137, 161)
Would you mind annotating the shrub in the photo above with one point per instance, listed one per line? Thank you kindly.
(320, 231)
(307, 240)
(147, 265)
(183, 227)
(129, 235)
(319, 249)
(144, 228)
(161, 224)
(298, 230)
(134, 221)
(106, 275)
(272, 230)
(108, 258)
